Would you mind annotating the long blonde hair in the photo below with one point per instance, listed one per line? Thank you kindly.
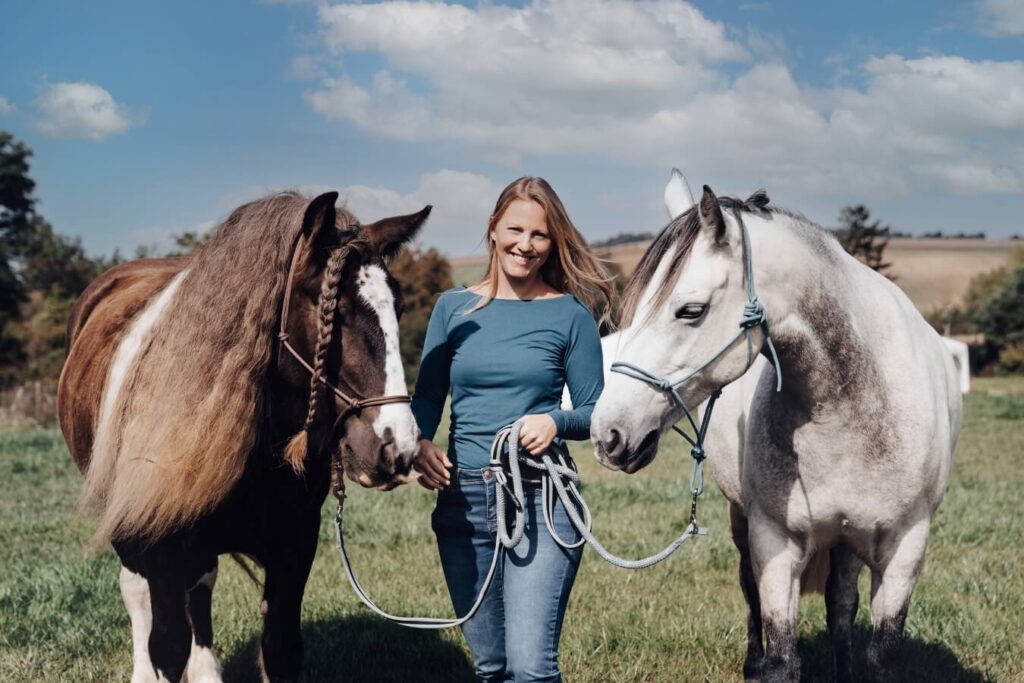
(570, 267)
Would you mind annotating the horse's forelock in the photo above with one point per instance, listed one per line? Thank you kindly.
(680, 233)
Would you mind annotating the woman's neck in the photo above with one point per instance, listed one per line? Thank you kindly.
(513, 288)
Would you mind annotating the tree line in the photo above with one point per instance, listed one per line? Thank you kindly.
(42, 272)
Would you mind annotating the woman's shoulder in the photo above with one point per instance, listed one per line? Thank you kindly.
(452, 300)
(454, 294)
(455, 291)
(579, 309)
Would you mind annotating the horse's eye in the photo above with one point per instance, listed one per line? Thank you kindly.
(690, 311)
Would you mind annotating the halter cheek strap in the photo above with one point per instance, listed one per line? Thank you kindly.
(353, 404)
(754, 315)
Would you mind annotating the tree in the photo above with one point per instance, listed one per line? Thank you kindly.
(16, 187)
(41, 273)
(863, 239)
(422, 274)
(1002, 319)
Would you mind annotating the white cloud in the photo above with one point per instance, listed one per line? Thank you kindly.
(495, 70)
(1002, 17)
(81, 110)
(462, 203)
(6, 107)
(653, 82)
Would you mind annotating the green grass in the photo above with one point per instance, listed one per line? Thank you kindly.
(61, 616)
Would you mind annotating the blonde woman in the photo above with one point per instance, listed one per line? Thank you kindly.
(504, 348)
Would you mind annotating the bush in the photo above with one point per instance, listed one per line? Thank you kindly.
(1011, 360)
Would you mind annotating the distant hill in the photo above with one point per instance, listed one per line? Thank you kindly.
(933, 272)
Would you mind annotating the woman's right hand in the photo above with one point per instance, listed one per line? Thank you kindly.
(432, 463)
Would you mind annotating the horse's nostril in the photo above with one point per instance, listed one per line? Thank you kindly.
(613, 441)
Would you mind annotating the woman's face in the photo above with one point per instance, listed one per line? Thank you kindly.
(521, 240)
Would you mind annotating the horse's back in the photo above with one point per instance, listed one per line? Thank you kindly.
(97, 323)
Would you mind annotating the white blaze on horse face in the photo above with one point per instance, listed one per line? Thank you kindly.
(374, 290)
(124, 360)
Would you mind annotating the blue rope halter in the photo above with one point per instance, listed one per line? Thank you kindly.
(754, 315)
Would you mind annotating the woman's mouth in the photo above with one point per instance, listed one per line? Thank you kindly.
(522, 259)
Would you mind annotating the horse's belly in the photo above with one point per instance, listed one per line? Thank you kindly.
(832, 494)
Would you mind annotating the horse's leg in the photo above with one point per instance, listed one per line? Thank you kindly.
(135, 593)
(755, 647)
(777, 560)
(281, 650)
(892, 582)
(171, 635)
(841, 599)
(203, 666)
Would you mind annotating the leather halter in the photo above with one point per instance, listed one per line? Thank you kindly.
(353, 405)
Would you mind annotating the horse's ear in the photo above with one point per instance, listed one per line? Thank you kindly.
(711, 217)
(319, 219)
(678, 198)
(389, 234)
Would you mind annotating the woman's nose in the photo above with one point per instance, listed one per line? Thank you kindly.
(524, 243)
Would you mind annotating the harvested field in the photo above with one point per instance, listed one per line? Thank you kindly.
(933, 272)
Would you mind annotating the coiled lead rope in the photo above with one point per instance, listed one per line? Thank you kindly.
(559, 478)
(558, 471)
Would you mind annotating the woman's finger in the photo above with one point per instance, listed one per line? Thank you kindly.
(427, 483)
(432, 466)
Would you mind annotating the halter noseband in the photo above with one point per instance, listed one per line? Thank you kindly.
(353, 405)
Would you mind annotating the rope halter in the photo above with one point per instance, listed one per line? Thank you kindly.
(754, 315)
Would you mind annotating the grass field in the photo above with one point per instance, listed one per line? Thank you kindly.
(61, 616)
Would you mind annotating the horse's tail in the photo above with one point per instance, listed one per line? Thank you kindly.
(815, 573)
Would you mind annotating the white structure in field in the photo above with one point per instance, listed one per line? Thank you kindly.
(958, 350)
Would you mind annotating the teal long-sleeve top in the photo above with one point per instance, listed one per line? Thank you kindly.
(508, 359)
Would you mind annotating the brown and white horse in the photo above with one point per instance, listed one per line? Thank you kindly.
(200, 432)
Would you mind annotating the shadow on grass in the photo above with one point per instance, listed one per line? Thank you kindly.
(364, 649)
(928, 662)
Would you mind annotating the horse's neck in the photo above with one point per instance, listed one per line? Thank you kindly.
(815, 297)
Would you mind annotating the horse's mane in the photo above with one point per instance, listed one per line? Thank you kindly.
(681, 233)
(190, 411)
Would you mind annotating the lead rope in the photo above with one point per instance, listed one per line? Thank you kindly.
(426, 623)
(558, 471)
(558, 478)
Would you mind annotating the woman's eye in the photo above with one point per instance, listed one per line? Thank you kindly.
(690, 311)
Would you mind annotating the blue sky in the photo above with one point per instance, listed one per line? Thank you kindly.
(148, 119)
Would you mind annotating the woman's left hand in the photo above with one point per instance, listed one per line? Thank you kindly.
(536, 433)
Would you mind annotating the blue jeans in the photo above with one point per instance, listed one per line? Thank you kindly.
(514, 636)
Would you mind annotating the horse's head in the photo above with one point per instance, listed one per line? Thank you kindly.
(683, 307)
(343, 322)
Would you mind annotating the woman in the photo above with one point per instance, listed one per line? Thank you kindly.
(505, 347)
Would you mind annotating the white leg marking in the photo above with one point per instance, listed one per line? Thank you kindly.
(124, 357)
(374, 290)
(135, 593)
(203, 666)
